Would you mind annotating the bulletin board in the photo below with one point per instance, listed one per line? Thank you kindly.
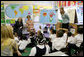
(14, 11)
(71, 14)
(48, 16)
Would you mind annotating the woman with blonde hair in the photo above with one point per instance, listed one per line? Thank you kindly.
(8, 45)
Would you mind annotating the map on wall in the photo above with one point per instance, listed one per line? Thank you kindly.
(18, 10)
(48, 16)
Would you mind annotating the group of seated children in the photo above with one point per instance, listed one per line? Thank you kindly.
(57, 41)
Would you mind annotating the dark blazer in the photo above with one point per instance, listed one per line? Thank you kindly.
(17, 26)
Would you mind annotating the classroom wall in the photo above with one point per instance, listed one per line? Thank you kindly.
(37, 3)
(46, 3)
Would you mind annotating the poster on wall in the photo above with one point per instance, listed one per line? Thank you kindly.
(79, 11)
(71, 13)
(36, 14)
(48, 16)
(14, 11)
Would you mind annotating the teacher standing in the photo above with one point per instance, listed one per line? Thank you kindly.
(29, 24)
(65, 17)
(18, 27)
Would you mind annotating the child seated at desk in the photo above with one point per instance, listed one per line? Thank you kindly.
(40, 49)
(59, 42)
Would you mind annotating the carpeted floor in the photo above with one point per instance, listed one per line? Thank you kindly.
(28, 52)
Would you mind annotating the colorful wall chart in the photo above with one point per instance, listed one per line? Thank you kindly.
(48, 16)
(79, 11)
(18, 10)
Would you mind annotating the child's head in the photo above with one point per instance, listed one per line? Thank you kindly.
(32, 33)
(59, 33)
(39, 33)
(51, 31)
(69, 34)
(10, 30)
(24, 37)
(80, 31)
(63, 31)
(4, 32)
(41, 41)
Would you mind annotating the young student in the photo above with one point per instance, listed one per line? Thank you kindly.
(16, 38)
(41, 48)
(79, 37)
(71, 39)
(38, 34)
(51, 37)
(59, 43)
(8, 45)
(71, 43)
(40, 29)
(22, 44)
(45, 29)
(32, 39)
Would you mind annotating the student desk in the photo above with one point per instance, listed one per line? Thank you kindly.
(58, 53)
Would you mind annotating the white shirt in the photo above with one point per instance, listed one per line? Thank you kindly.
(52, 37)
(79, 39)
(71, 40)
(33, 50)
(65, 36)
(59, 43)
(22, 44)
(16, 39)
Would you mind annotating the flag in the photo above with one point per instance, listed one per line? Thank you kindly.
(69, 3)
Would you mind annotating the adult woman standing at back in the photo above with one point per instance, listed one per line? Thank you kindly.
(65, 17)
(18, 26)
(29, 23)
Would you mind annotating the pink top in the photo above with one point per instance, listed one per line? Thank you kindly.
(30, 24)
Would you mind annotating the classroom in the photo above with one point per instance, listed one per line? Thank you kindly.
(41, 28)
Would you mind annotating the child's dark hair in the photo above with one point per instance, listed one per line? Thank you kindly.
(32, 33)
(63, 31)
(80, 31)
(40, 40)
(24, 37)
(59, 33)
(69, 34)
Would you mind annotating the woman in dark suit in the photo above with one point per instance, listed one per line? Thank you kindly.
(18, 27)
